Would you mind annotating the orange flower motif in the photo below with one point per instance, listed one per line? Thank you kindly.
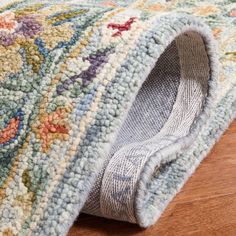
(109, 4)
(8, 22)
(52, 126)
(156, 7)
(216, 32)
(233, 13)
(10, 131)
(206, 10)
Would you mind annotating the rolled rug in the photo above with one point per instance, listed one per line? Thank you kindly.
(107, 107)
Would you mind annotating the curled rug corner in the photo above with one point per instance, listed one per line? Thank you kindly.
(108, 107)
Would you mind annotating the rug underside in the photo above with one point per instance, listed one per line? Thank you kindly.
(107, 107)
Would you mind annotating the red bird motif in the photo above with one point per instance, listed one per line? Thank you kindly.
(121, 27)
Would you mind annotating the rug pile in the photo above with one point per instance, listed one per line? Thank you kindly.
(107, 107)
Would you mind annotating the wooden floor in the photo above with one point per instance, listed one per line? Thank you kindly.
(205, 206)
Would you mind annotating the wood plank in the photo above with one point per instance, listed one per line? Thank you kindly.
(205, 206)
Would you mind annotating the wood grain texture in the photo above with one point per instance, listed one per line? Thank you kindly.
(205, 206)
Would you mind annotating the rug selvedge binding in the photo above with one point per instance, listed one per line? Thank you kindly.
(40, 118)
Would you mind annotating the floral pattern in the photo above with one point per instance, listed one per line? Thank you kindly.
(57, 58)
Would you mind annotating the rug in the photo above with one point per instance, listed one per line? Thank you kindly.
(107, 107)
